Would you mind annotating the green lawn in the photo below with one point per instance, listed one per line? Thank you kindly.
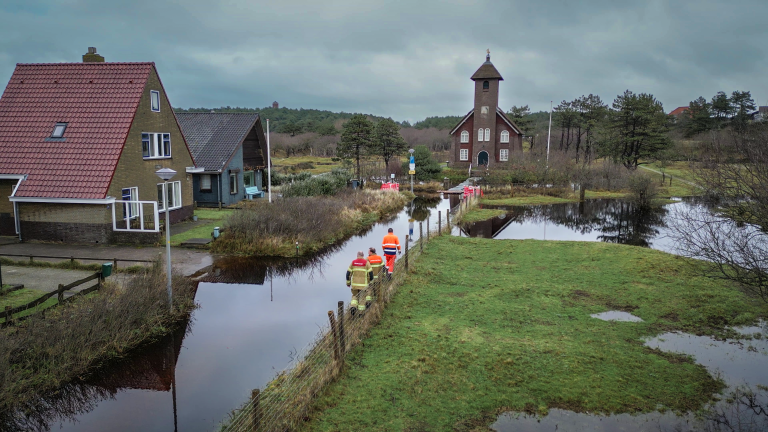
(321, 165)
(478, 214)
(215, 216)
(504, 325)
(24, 296)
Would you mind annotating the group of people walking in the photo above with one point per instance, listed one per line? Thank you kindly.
(366, 273)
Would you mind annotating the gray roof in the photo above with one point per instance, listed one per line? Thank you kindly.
(487, 71)
(214, 137)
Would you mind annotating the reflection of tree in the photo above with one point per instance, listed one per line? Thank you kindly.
(151, 368)
(618, 221)
(418, 209)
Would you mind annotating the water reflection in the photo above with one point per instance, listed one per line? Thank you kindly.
(612, 221)
(419, 208)
(151, 369)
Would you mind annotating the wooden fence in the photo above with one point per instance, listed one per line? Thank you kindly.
(9, 312)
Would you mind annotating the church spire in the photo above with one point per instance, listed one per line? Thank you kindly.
(487, 70)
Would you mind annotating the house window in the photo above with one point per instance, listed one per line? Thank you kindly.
(58, 130)
(504, 155)
(464, 136)
(155, 145)
(504, 136)
(480, 134)
(130, 210)
(487, 134)
(464, 154)
(486, 85)
(174, 196)
(233, 183)
(205, 183)
(154, 98)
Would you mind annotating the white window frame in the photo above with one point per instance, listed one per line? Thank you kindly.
(464, 136)
(130, 205)
(480, 135)
(176, 194)
(154, 100)
(153, 145)
(503, 155)
(140, 216)
(505, 136)
(487, 134)
(233, 182)
(203, 177)
(464, 154)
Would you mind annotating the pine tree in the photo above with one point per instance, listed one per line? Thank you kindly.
(356, 140)
(387, 141)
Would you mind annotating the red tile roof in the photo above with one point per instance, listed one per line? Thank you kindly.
(97, 100)
(678, 111)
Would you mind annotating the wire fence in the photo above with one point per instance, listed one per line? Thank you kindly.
(283, 404)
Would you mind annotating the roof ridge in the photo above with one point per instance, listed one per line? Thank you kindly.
(100, 64)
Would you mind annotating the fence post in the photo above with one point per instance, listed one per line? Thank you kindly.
(71, 259)
(406, 252)
(114, 264)
(60, 297)
(256, 413)
(342, 337)
(9, 318)
(439, 223)
(421, 237)
(334, 336)
(31, 258)
(448, 220)
(427, 227)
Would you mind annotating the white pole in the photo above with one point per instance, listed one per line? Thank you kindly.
(269, 166)
(168, 244)
(549, 134)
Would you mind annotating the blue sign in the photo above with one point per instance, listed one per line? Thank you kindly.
(412, 159)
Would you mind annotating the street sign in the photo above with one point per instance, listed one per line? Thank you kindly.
(412, 172)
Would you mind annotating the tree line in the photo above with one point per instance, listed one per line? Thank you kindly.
(722, 111)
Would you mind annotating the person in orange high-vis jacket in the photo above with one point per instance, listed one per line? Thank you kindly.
(391, 246)
(377, 264)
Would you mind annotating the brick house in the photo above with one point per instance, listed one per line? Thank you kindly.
(485, 135)
(79, 147)
(230, 153)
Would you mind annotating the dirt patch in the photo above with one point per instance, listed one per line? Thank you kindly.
(624, 307)
(580, 294)
(671, 316)
(457, 294)
(674, 358)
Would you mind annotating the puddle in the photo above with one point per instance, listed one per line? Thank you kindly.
(617, 316)
(743, 407)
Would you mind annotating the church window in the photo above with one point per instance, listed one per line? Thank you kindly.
(464, 136)
(487, 134)
(464, 154)
(504, 155)
(480, 134)
(486, 85)
(504, 136)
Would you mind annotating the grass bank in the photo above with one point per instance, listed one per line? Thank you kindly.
(210, 218)
(315, 222)
(504, 325)
(67, 264)
(478, 214)
(40, 354)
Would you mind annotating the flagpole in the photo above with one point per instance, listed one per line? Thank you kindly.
(549, 134)
(269, 166)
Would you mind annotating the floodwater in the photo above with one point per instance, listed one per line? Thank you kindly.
(255, 316)
(617, 316)
(606, 220)
(740, 363)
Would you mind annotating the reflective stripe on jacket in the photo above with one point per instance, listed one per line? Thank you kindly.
(390, 244)
(376, 263)
(359, 273)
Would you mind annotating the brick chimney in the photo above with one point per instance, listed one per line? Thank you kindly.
(92, 57)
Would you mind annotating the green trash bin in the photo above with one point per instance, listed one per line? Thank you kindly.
(106, 270)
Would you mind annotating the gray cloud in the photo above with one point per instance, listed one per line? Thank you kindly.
(404, 59)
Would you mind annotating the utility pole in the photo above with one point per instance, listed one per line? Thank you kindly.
(269, 166)
(549, 134)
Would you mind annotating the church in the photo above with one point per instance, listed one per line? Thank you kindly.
(485, 136)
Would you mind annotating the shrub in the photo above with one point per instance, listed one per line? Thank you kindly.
(326, 184)
(643, 189)
(427, 168)
(281, 179)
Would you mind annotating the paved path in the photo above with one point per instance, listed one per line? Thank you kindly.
(43, 279)
(186, 260)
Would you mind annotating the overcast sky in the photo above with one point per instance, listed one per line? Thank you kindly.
(404, 59)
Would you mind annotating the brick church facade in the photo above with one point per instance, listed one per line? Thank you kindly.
(485, 136)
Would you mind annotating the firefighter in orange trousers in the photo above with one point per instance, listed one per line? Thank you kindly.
(391, 246)
(359, 275)
(377, 263)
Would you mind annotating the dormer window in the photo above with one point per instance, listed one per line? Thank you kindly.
(154, 97)
(486, 85)
(58, 130)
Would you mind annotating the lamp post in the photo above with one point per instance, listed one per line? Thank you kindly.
(167, 174)
(269, 166)
(412, 167)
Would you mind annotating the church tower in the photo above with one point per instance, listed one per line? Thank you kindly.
(485, 135)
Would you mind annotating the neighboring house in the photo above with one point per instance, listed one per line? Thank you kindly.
(679, 111)
(79, 139)
(485, 135)
(229, 150)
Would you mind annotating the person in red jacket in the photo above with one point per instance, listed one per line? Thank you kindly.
(391, 247)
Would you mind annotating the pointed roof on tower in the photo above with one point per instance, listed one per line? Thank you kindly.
(487, 70)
